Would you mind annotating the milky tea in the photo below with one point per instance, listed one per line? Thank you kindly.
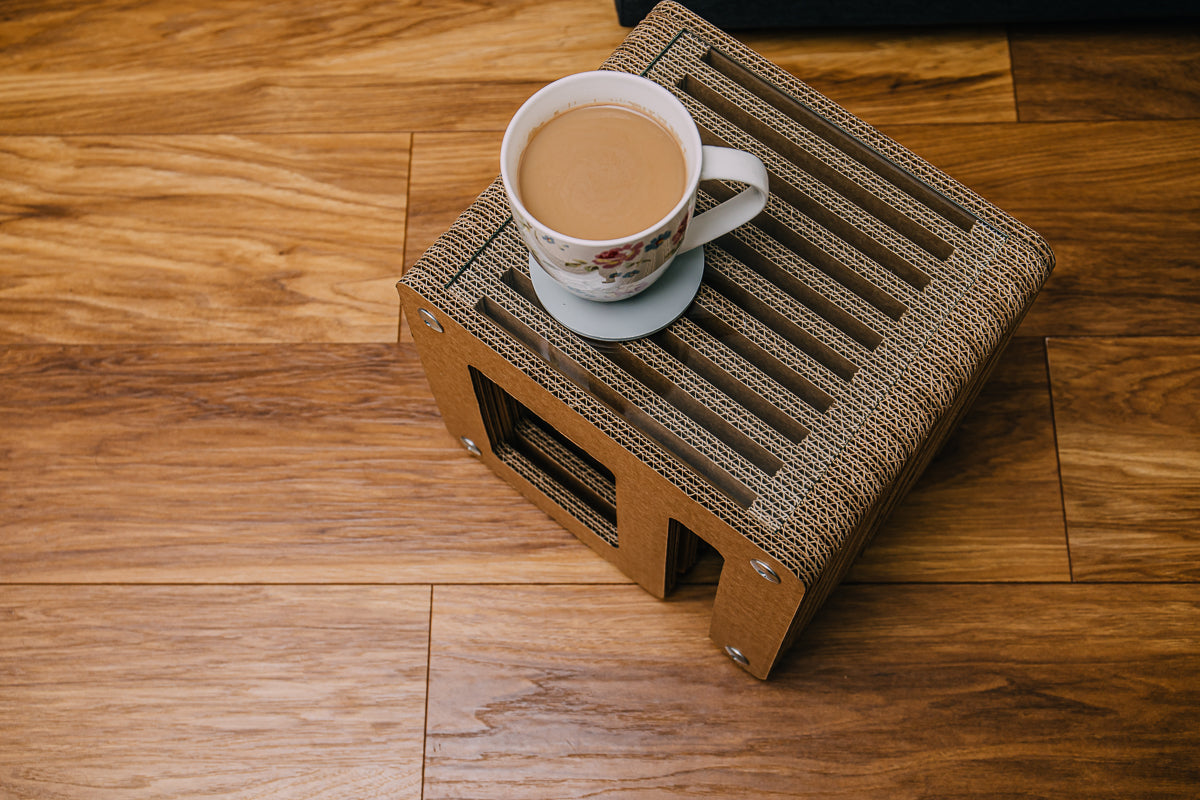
(601, 172)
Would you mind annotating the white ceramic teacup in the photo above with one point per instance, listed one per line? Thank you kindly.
(614, 269)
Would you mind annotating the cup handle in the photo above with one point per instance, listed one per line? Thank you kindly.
(724, 163)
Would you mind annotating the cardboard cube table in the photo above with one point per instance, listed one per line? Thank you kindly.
(832, 346)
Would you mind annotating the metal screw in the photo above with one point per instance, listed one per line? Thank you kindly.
(736, 655)
(429, 320)
(764, 570)
(472, 448)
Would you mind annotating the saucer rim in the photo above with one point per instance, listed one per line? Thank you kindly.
(644, 314)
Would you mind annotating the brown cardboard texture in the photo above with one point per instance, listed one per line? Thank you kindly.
(834, 343)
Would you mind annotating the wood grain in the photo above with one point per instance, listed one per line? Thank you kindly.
(1115, 70)
(211, 464)
(897, 75)
(180, 66)
(201, 238)
(1119, 203)
(449, 171)
(226, 491)
(988, 507)
(895, 691)
(1128, 420)
(240, 692)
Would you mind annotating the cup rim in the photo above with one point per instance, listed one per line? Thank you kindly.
(693, 144)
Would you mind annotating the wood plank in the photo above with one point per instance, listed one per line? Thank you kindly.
(1111, 70)
(181, 66)
(315, 462)
(1134, 166)
(895, 691)
(899, 75)
(201, 238)
(249, 102)
(989, 507)
(449, 170)
(1128, 420)
(239, 692)
(1119, 202)
(284, 463)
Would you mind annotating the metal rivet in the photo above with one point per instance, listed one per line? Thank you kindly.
(764, 570)
(429, 320)
(472, 448)
(736, 655)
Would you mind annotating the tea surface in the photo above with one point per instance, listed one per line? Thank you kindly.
(601, 172)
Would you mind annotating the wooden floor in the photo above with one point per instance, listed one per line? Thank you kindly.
(240, 556)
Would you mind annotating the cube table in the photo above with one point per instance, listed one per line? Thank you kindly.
(832, 346)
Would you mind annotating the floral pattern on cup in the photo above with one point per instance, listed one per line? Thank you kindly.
(617, 272)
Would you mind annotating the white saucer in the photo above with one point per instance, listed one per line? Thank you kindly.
(645, 313)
